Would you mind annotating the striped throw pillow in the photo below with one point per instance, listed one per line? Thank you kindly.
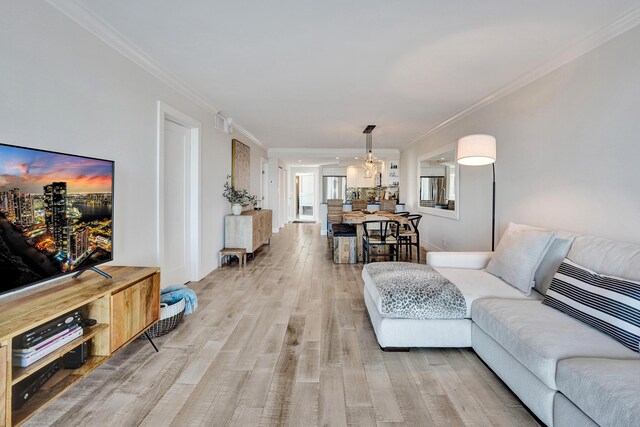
(609, 304)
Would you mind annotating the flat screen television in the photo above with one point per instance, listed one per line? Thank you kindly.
(56, 215)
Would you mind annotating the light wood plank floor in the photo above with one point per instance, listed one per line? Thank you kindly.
(287, 341)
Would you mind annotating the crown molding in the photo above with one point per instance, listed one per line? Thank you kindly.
(109, 35)
(619, 26)
(238, 127)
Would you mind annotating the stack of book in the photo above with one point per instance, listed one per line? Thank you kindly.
(39, 342)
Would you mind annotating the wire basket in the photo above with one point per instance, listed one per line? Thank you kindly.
(170, 317)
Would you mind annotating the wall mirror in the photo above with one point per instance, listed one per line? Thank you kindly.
(438, 183)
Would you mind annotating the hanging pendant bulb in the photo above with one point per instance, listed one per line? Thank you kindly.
(370, 165)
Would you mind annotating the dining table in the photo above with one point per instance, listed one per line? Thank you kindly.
(358, 217)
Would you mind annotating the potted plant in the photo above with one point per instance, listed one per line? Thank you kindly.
(237, 198)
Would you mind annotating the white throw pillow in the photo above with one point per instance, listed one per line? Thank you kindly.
(557, 252)
(518, 256)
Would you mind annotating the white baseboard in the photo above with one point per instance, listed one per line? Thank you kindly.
(430, 246)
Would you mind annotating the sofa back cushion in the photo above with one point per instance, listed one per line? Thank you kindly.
(519, 255)
(607, 303)
(556, 253)
(606, 256)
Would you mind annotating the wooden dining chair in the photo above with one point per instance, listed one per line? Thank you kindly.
(388, 205)
(404, 214)
(382, 235)
(407, 235)
(334, 216)
(334, 211)
(358, 204)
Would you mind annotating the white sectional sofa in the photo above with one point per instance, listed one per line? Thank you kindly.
(567, 372)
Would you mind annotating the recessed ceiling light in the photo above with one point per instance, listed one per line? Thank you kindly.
(299, 161)
(441, 158)
(355, 158)
(337, 158)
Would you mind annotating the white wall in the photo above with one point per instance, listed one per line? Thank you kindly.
(63, 89)
(275, 165)
(432, 171)
(258, 152)
(334, 171)
(568, 154)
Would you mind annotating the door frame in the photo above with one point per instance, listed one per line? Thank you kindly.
(264, 181)
(167, 112)
(282, 197)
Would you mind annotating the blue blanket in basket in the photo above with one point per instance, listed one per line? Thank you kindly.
(173, 294)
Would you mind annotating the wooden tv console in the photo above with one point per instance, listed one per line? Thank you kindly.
(124, 307)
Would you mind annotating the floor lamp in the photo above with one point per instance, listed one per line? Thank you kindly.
(480, 150)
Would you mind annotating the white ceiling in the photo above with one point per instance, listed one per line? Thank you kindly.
(309, 74)
(337, 157)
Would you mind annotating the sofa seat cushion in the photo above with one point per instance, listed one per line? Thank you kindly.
(472, 283)
(539, 336)
(607, 390)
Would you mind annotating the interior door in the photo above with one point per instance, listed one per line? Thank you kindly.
(306, 196)
(176, 262)
(282, 197)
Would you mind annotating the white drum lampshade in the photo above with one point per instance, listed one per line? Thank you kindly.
(476, 150)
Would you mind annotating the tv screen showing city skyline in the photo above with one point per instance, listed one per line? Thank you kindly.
(56, 214)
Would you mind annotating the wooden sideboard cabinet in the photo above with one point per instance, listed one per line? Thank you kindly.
(250, 230)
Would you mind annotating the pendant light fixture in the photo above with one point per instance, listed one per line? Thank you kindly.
(370, 164)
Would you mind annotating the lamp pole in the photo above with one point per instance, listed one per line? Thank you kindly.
(493, 210)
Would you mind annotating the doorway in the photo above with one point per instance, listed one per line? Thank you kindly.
(305, 197)
(178, 196)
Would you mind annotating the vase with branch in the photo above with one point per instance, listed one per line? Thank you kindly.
(237, 198)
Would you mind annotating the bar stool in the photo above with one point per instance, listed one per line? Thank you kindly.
(334, 216)
(344, 244)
